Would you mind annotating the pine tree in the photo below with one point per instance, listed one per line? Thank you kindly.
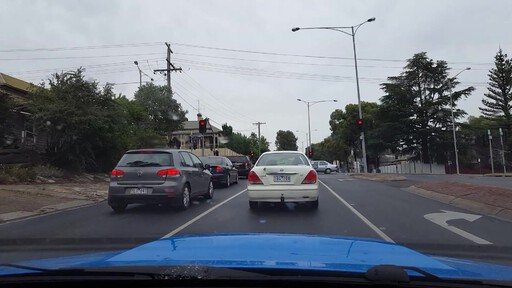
(497, 102)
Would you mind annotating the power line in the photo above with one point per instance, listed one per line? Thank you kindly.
(77, 57)
(225, 115)
(132, 45)
(135, 45)
(306, 56)
(225, 107)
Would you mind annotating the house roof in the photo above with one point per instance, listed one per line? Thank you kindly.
(15, 83)
(189, 126)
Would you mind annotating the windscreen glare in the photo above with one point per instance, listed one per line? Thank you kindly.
(140, 159)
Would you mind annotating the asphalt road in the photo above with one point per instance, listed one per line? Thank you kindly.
(348, 207)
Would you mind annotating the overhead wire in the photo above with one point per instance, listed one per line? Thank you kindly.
(213, 109)
(222, 105)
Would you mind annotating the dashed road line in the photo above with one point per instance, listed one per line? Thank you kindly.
(193, 220)
(361, 216)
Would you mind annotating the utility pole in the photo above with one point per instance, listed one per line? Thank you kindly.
(259, 136)
(503, 153)
(490, 150)
(170, 66)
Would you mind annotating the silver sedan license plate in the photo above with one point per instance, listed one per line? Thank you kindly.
(282, 178)
(139, 191)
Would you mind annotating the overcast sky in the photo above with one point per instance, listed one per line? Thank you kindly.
(247, 86)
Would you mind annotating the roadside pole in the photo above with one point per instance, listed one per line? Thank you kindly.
(503, 153)
(490, 150)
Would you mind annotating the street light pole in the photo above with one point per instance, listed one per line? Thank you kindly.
(363, 142)
(353, 30)
(453, 126)
(311, 103)
(140, 73)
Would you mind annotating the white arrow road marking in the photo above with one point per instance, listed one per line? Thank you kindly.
(441, 219)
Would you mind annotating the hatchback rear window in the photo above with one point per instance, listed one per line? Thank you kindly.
(282, 159)
(238, 159)
(212, 160)
(146, 159)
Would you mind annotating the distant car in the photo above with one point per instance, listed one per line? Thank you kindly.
(223, 171)
(242, 163)
(158, 176)
(282, 176)
(325, 167)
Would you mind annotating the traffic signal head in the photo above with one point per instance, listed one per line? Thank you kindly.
(202, 126)
(360, 122)
(310, 153)
(252, 154)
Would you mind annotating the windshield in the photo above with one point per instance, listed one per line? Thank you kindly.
(238, 159)
(309, 135)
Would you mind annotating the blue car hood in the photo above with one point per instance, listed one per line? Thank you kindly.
(280, 251)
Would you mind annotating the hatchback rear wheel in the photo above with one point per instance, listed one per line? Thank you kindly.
(209, 193)
(327, 171)
(185, 198)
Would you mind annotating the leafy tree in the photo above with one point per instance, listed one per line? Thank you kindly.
(415, 110)
(137, 126)
(81, 121)
(346, 132)
(164, 112)
(263, 144)
(498, 100)
(286, 140)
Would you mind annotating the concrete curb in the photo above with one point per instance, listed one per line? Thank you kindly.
(50, 209)
(480, 208)
(381, 178)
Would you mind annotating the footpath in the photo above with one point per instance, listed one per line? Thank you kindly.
(47, 195)
(481, 199)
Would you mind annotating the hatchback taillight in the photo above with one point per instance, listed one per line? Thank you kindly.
(252, 178)
(310, 178)
(246, 164)
(169, 172)
(117, 173)
(218, 168)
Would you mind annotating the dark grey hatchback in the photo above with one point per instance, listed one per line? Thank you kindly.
(158, 176)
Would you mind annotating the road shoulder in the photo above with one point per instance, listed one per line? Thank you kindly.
(487, 200)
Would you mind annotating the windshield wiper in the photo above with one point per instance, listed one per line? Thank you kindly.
(142, 164)
(147, 164)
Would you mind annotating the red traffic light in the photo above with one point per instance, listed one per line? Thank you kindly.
(359, 121)
(202, 126)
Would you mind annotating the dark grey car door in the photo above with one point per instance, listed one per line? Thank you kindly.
(202, 177)
(190, 171)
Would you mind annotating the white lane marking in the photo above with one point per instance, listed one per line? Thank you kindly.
(175, 231)
(441, 219)
(348, 179)
(364, 219)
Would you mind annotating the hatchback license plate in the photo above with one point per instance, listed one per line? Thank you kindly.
(282, 178)
(139, 191)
